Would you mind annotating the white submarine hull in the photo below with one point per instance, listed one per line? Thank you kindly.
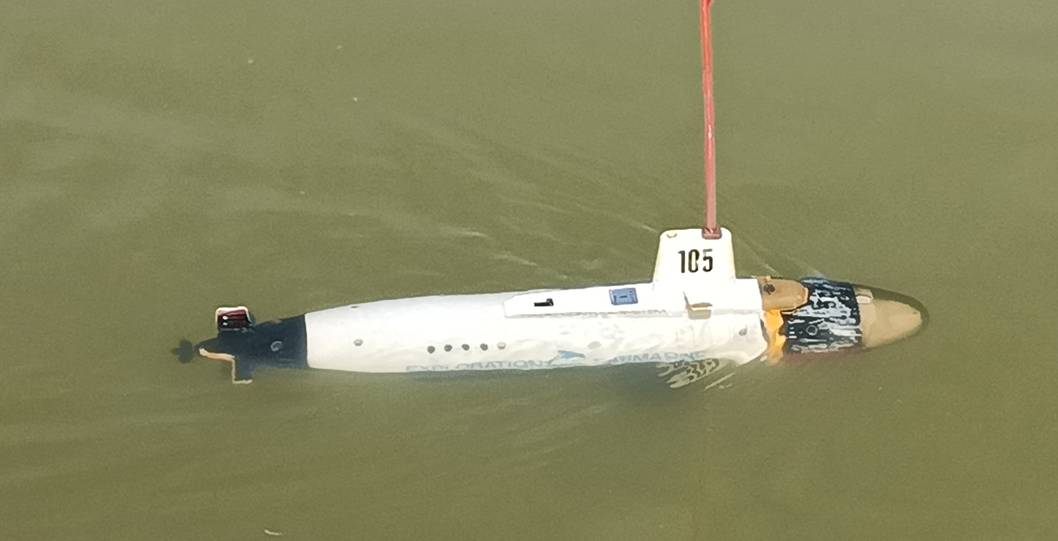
(534, 330)
(695, 308)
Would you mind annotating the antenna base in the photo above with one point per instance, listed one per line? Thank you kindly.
(711, 234)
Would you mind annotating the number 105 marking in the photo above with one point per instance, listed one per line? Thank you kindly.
(696, 260)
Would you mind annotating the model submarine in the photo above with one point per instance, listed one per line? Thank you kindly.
(695, 319)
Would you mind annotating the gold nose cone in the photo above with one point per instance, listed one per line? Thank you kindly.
(886, 317)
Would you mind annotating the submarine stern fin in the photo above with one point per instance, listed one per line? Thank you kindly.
(246, 345)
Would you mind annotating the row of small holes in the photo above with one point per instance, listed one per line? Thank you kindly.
(466, 347)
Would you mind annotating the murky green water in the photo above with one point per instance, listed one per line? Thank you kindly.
(158, 160)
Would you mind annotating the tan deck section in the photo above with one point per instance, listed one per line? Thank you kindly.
(781, 294)
(777, 296)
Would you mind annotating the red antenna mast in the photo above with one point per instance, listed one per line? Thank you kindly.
(711, 230)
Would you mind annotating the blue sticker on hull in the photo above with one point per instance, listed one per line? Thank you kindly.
(624, 295)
